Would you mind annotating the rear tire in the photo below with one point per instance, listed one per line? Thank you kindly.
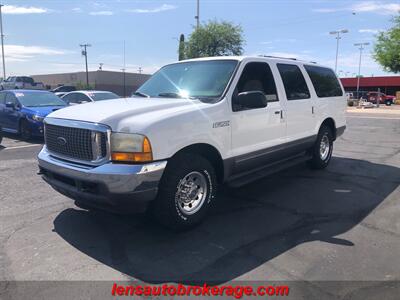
(186, 192)
(25, 131)
(322, 149)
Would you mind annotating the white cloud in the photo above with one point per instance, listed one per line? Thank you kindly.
(24, 53)
(378, 7)
(368, 30)
(158, 9)
(21, 10)
(375, 6)
(101, 13)
(77, 10)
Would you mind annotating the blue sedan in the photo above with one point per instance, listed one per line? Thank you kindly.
(23, 111)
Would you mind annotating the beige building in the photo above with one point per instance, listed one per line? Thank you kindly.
(98, 80)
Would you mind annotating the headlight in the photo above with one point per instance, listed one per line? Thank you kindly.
(127, 147)
(37, 118)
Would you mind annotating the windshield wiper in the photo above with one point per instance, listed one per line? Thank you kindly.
(141, 94)
(169, 95)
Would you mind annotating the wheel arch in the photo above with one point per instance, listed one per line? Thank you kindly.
(330, 122)
(210, 153)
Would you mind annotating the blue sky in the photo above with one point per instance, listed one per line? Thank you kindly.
(44, 36)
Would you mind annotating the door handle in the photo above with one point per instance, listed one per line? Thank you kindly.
(277, 112)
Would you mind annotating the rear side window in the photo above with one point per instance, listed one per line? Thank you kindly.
(325, 81)
(294, 82)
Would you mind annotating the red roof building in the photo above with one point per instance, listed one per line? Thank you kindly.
(388, 84)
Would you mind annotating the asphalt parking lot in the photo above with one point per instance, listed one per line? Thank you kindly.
(340, 224)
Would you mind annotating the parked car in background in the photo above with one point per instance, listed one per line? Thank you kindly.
(383, 98)
(63, 89)
(79, 97)
(21, 82)
(23, 111)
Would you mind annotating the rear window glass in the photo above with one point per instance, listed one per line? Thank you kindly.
(325, 81)
(103, 96)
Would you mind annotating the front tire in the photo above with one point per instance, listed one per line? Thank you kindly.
(186, 192)
(322, 149)
(388, 102)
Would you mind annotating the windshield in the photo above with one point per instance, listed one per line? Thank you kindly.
(196, 79)
(103, 96)
(31, 99)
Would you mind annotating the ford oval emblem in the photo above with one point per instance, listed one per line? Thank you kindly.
(61, 141)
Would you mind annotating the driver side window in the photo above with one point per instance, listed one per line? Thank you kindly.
(256, 76)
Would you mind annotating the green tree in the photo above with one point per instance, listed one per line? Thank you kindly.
(215, 39)
(181, 50)
(387, 48)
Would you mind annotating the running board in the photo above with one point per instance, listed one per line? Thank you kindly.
(264, 171)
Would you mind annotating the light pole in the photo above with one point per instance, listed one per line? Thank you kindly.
(84, 53)
(123, 72)
(338, 37)
(197, 17)
(361, 47)
(2, 43)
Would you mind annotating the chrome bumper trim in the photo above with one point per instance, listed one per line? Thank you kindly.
(116, 178)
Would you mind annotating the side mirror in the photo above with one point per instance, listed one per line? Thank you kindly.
(10, 105)
(251, 100)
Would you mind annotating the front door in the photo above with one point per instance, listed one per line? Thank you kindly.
(256, 131)
(11, 113)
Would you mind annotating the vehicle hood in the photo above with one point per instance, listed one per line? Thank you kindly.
(115, 111)
(42, 111)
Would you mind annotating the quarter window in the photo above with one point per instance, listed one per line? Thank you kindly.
(293, 80)
(325, 81)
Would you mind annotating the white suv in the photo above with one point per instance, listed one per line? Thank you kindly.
(191, 126)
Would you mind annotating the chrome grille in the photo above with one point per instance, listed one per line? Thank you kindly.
(76, 143)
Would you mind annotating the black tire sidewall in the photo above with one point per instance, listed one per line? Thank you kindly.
(165, 207)
(317, 162)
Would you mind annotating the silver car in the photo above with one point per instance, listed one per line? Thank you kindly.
(79, 97)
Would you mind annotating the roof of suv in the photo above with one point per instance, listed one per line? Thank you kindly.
(240, 58)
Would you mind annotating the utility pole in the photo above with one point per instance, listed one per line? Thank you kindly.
(101, 66)
(197, 17)
(140, 70)
(361, 48)
(338, 37)
(84, 53)
(2, 43)
(123, 72)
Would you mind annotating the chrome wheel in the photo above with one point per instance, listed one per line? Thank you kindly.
(191, 193)
(324, 147)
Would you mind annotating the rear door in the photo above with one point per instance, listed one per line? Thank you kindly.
(300, 120)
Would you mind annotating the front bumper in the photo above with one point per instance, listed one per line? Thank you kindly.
(116, 187)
